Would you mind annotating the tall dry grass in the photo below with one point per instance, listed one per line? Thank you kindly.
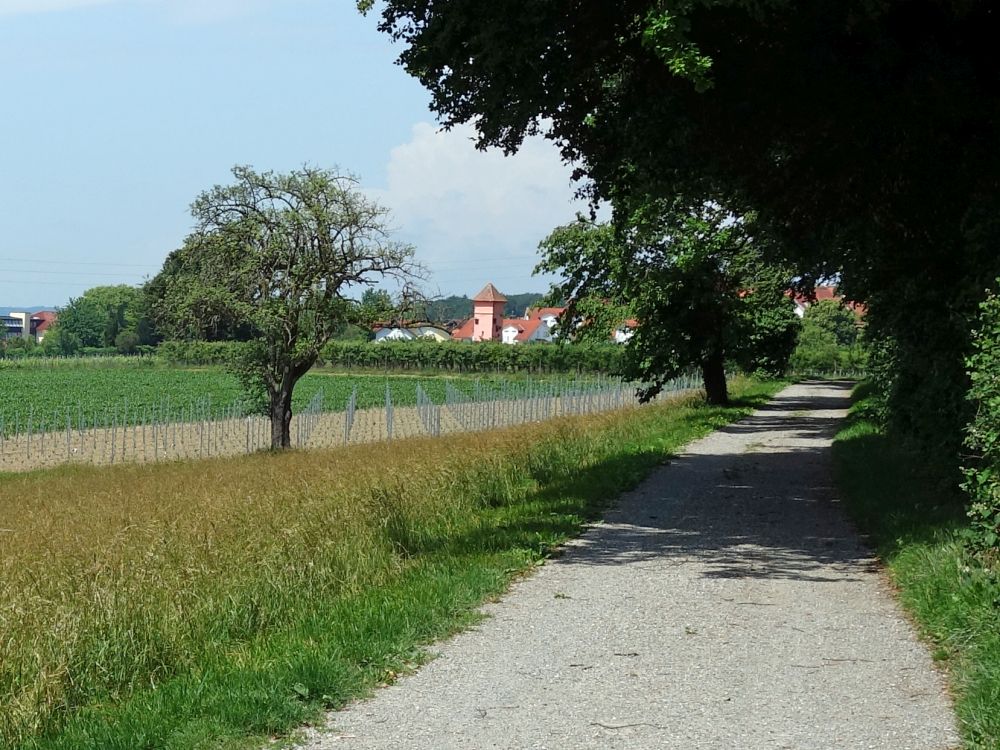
(116, 580)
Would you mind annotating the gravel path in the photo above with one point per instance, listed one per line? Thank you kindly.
(724, 604)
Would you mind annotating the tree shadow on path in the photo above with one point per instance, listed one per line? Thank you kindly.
(754, 500)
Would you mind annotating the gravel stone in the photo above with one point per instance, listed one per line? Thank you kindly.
(726, 603)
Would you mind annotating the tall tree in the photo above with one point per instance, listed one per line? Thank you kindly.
(863, 134)
(279, 254)
(696, 283)
(100, 314)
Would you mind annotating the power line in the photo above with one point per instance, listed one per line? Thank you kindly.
(64, 285)
(33, 261)
(72, 273)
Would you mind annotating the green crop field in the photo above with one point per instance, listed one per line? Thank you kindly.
(39, 396)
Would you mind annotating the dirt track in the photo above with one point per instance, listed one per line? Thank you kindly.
(725, 604)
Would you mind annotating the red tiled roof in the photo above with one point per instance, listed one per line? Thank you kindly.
(489, 293)
(525, 328)
(826, 292)
(46, 318)
(538, 312)
(819, 293)
(464, 331)
(822, 293)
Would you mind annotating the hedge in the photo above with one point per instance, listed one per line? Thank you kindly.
(428, 355)
(478, 357)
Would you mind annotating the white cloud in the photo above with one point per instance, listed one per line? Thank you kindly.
(477, 216)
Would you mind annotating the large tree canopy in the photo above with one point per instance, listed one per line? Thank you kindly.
(862, 133)
(838, 115)
(278, 255)
(697, 283)
(102, 317)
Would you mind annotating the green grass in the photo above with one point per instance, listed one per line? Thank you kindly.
(217, 603)
(915, 518)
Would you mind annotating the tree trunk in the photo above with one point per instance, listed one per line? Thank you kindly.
(713, 374)
(281, 417)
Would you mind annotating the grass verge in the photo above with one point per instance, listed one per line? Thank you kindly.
(216, 603)
(915, 519)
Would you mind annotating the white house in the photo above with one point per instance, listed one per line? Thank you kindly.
(410, 333)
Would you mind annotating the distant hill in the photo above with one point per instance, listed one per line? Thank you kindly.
(459, 308)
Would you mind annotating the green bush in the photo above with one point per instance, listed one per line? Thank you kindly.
(830, 341)
(982, 478)
(480, 357)
(196, 352)
(127, 342)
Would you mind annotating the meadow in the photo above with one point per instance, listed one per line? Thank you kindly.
(908, 506)
(219, 602)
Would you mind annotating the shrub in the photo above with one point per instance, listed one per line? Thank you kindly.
(830, 340)
(127, 342)
(196, 352)
(480, 357)
(982, 478)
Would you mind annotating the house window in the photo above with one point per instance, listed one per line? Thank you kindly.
(477, 321)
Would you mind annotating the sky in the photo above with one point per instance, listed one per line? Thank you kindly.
(116, 114)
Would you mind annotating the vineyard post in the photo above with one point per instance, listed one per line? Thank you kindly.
(67, 434)
(209, 423)
(388, 411)
(480, 408)
(31, 414)
(124, 428)
(106, 425)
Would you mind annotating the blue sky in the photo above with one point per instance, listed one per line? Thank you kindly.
(116, 113)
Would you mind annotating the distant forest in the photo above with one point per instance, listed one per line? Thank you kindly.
(459, 308)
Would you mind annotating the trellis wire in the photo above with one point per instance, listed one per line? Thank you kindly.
(429, 412)
(389, 415)
(307, 419)
(166, 430)
(352, 404)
